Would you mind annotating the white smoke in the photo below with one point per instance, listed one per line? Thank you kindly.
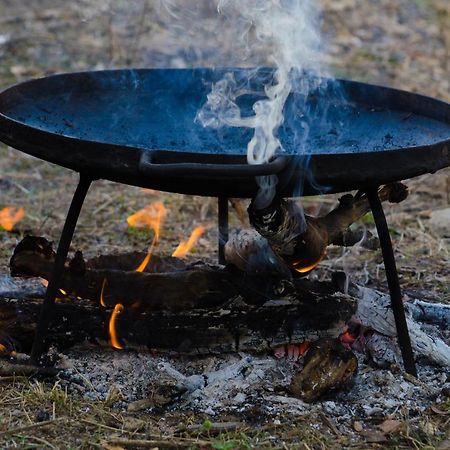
(289, 33)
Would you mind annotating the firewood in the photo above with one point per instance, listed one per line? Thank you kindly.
(173, 290)
(197, 286)
(301, 240)
(374, 311)
(250, 252)
(9, 368)
(234, 326)
(328, 366)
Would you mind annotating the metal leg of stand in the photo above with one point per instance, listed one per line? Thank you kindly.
(58, 268)
(223, 227)
(393, 282)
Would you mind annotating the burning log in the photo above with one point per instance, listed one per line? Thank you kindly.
(250, 252)
(110, 280)
(301, 241)
(233, 327)
(174, 289)
(328, 366)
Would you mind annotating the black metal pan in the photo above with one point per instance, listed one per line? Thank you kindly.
(138, 127)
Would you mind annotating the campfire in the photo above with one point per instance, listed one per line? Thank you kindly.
(233, 282)
(260, 301)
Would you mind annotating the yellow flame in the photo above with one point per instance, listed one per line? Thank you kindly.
(149, 217)
(63, 292)
(9, 216)
(185, 246)
(102, 299)
(112, 327)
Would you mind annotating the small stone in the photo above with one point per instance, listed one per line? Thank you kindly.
(42, 416)
(357, 426)
(239, 398)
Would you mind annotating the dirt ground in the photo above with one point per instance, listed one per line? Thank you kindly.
(403, 43)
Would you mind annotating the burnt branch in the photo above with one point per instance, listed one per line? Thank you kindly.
(300, 240)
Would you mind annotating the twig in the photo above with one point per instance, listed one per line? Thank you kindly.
(10, 369)
(330, 424)
(160, 443)
(31, 427)
(215, 427)
(35, 438)
(107, 427)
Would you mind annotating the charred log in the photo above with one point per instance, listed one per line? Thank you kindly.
(174, 289)
(197, 286)
(235, 326)
(250, 252)
(301, 240)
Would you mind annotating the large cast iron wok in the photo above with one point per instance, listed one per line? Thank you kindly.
(138, 127)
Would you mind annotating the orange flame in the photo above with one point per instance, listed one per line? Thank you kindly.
(305, 269)
(185, 246)
(118, 309)
(9, 216)
(300, 266)
(149, 217)
(2, 349)
(102, 299)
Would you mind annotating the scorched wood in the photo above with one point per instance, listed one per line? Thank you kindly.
(235, 326)
(172, 290)
(301, 240)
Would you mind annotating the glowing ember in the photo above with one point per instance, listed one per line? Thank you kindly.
(3, 349)
(102, 299)
(348, 336)
(150, 217)
(183, 249)
(9, 216)
(292, 351)
(118, 309)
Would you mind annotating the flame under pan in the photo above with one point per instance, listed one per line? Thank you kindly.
(138, 126)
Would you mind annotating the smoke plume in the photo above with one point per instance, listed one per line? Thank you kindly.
(288, 31)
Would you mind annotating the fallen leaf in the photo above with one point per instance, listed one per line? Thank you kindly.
(438, 411)
(106, 446)
(389, 426)
(133, 424)
(373, 436)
